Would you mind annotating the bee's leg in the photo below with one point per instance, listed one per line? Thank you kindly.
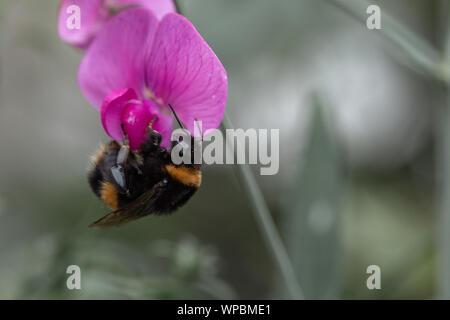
(152, 121)
(132, 159)
(153, 135)
(118, 170)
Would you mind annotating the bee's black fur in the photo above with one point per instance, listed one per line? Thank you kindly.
(149, 176)
(95, 179)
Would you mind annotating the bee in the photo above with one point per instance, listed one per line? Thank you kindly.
(138, 183)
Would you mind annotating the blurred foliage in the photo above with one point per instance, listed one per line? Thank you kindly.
(165, 270)
(312, 212)
(359, 183)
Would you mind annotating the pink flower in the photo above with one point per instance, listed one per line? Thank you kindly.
(137, 65)
(94, 13)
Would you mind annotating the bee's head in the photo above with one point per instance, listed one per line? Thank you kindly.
(152, 145)
(154, 137)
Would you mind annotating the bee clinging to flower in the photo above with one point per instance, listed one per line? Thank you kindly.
(135, 67)
(142, 182)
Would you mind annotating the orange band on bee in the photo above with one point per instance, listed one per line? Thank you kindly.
(187, 176)
(109, 195)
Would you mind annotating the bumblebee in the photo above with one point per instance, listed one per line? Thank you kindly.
(137, 183)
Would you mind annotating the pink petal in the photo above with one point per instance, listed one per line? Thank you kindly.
(112, 110)
(94, 13)
(115, 59)
(184, 71)
(136, 118)
(90, 16)
(159, 7)
(122, 106)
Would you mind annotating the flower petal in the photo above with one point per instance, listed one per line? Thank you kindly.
(122, 106)
(112, 111)
(136, 118)
(159, 7)
(90, 16)
(183, 70)
(115, 59)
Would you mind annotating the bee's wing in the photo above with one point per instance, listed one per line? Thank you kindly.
(140, 207)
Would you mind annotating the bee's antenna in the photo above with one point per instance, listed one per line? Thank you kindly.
(176, 117)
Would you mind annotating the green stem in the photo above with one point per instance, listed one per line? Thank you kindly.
(265, 222)
(263, 217)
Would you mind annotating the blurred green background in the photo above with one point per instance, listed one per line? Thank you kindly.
(362, 162)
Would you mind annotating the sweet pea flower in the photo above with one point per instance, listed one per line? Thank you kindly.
(137, 65)
(94, 13)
